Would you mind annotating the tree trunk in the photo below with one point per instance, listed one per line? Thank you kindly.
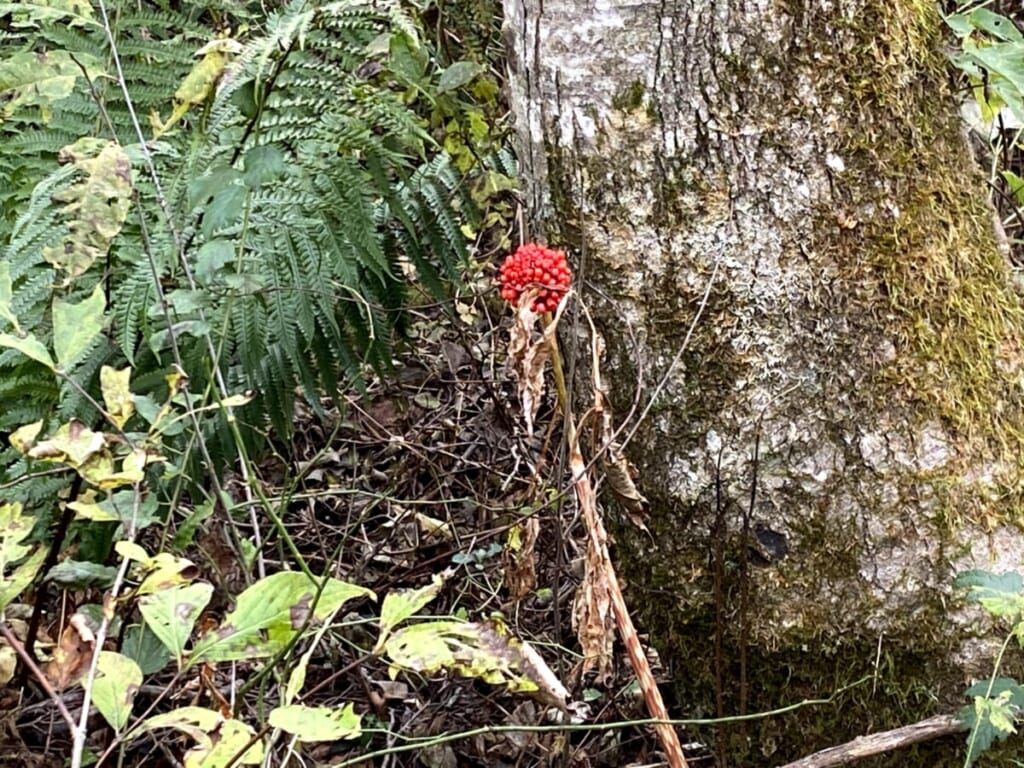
(842, 433)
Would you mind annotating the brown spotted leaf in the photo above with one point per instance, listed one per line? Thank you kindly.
(268, 614)
(72, 654)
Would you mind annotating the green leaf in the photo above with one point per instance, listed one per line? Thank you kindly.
(172, 613)
(999, 594)
(989, 720)
(263, 163)
(29, 346)
(76, 326)
(225, 208)
(201, 189)
(400, 604)
(81, 574)
(17, 582)
(457, 75)
(211, 259)
(145, 648)
(995, 24)
(269, 613)
(318, 723)
(117, 681)
(1015, 184)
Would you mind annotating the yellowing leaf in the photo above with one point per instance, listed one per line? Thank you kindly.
(98, 204)
(218, 739)
(73, 444)
(116, 393)
(171, 613)
(318, 723)
(23, 438)
(400, 604)
(40, 79)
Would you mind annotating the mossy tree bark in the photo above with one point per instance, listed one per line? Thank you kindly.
(843, 433)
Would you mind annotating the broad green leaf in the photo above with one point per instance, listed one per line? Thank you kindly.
(269, 613)
(457, 75)
(263, 163)
(145, 648)
(999, 594)
(5, 296)
(211, 258)
(97, 204)
(318, 723)
(202, 188)
(117, 680)
(117, 393)
(995, 24)
(40, 79)
(225, 208)
(81, 574)
(172, 613)
(75, 326)
(400, 604)
(29, 346)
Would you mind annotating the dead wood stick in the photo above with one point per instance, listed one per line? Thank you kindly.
(884, 741)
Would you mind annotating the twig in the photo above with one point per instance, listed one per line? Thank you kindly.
(31, 665)
(884, 741)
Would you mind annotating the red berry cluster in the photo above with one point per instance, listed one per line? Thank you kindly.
(534, 264)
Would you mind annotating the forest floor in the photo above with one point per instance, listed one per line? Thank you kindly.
(425, 472)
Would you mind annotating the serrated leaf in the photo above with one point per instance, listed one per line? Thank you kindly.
(269, 613)
(1000, 594)
(400, 604)
(172, 613)
(29, 346)
(318, 723)
(457, 75)
(75, 326)
(113, 692)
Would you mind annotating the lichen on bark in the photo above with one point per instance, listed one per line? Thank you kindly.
(860, 333)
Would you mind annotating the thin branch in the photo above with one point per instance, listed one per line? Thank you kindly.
(884, 741)
(31, 665)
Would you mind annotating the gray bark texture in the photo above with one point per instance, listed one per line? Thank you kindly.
(842, 434)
